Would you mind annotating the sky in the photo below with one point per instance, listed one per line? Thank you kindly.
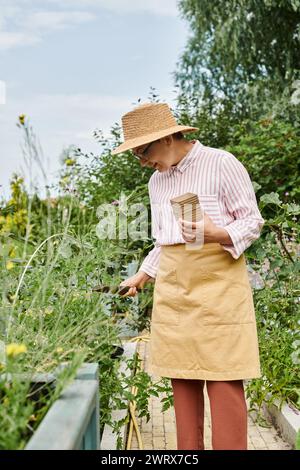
(74, 66)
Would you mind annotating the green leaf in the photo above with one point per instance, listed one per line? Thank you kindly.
(65, 250)
(271, 198)
(293, 208)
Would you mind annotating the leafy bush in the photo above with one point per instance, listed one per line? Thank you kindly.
(275, 258)
(270, 151)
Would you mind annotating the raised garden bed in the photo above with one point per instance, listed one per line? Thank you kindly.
(286, 420)
(72, 422)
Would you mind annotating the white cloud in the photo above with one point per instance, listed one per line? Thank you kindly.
(50, 20)
(27, 22)
(9, 40)
(62, 119)
(24, 22)
(157, 7)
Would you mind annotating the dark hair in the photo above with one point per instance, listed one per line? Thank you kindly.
(178, 135)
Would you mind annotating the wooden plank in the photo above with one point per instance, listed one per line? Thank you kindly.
(68, 418)
(286, 420)
(88, 371)
(27, 377)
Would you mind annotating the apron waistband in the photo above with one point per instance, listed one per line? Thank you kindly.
(187, 246)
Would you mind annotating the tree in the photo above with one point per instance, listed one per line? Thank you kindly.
(242, 51)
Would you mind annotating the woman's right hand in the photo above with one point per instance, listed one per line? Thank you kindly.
(136, 281)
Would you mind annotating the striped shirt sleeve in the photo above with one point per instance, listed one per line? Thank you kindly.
(151, 262)
(240, 201)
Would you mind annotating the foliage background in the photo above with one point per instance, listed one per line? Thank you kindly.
(238, 81)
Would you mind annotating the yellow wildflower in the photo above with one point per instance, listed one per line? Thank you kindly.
(12, 251)
(59, 350)
(65, 180)
(69, 161)
(22, 119)
(9, 265)
(14, 349)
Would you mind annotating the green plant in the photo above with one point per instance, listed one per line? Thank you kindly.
(269, 149)
(276, 260)
(122, 394)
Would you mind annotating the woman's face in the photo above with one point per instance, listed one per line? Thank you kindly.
(160, 155)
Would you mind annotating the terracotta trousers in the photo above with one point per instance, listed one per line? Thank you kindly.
(228, 410)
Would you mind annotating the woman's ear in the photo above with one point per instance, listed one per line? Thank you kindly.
(167, 139)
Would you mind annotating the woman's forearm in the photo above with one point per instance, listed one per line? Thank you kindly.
(220, 235)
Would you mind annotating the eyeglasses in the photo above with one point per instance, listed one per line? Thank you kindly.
(143, 154)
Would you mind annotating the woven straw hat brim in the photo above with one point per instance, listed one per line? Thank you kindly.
(147, 138)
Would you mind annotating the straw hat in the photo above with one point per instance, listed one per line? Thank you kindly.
(148, 122)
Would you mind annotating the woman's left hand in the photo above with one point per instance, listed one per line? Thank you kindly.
(192, 230)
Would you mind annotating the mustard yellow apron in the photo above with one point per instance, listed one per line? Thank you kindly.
(203, 322)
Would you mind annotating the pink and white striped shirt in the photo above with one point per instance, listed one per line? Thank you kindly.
(225, 192)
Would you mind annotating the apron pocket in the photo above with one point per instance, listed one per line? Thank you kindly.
(165, 298)
(225, 301)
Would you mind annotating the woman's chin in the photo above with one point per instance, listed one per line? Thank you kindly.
(160, 167)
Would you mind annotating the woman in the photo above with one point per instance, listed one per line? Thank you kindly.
(203, 326)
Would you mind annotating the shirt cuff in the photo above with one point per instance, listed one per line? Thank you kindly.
(150, 270)
(234, 249)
